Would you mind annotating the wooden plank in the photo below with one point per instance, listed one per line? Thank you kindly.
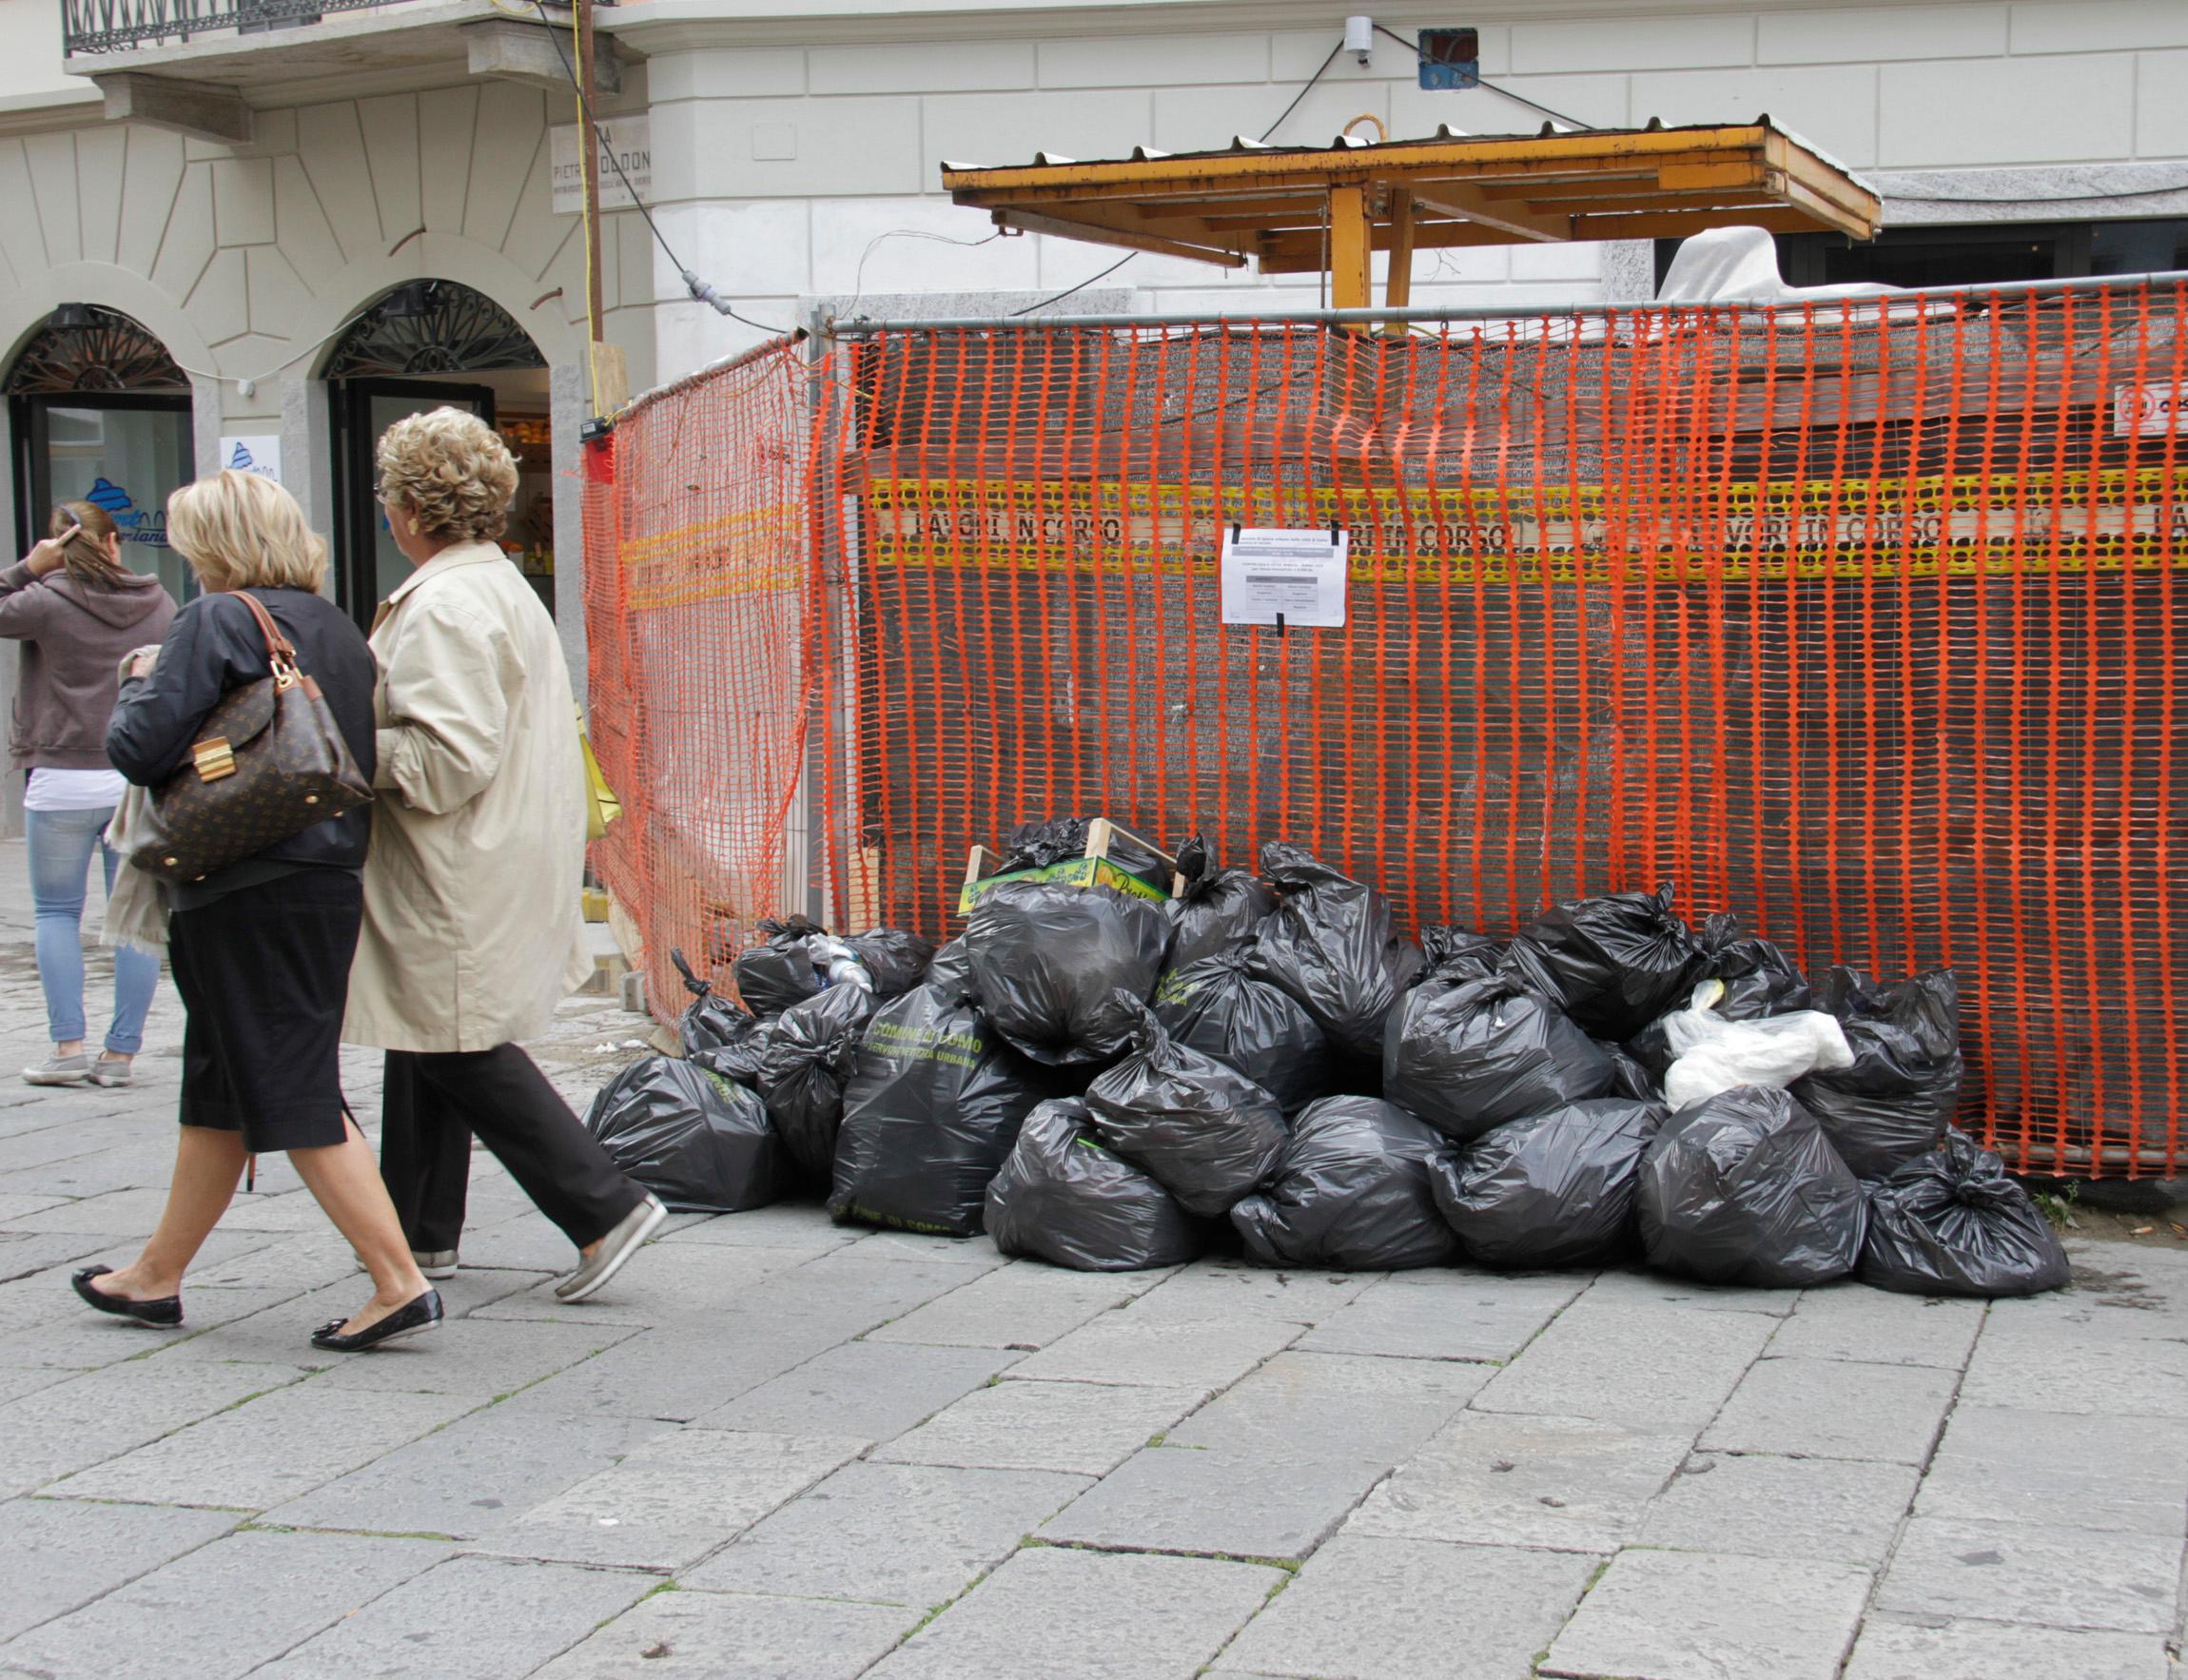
(1350, 243)
(1685, 223)
(1301, 252)
(1397, 282)
(1739, 173)
(1028, 222)
(1467, 203)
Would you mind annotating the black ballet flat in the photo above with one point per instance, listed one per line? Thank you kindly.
(164, 1313)
(413, 1318)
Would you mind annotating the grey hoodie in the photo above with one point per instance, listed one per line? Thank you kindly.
(73, 636)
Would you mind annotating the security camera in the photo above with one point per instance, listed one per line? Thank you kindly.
(1359, 38)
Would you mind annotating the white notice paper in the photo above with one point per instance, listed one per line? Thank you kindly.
(1297, 575)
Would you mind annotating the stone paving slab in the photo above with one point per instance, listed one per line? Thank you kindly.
(1301, 1402)
(1118, 1348)
(680, 1372)
(1570, 1483)
(1462, 1316)
(1637, 1286)
(868, 1389)
(1083, 1428)
(1838, 1510)
(267, 1451)
(787, 1224)
(2009, 1465)
(692, 1284)
(2076, 1372)
(1020, 1308)
(1638, 1361)
(2021, 1573)
(1223, 1292)
(63, 1553)
(1876, 1327)
(675, 1498)
(48, 1434)
(1065, 1615)
(472, 1478)
(1834, 1409)
(222, 1609)
(470, 1618)
(477, 1357)
(1995, 1651)
(1670, 1614)
(1219, 1502)
(688, 1635)
(1412, 1609)
(908, 1535)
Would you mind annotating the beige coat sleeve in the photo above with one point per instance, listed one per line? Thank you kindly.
(452, 682)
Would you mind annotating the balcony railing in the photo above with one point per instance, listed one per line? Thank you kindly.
(114, 26)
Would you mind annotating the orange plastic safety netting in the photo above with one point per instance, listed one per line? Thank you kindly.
(1859, 617)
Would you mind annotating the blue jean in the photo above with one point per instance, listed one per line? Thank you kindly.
(60, 846)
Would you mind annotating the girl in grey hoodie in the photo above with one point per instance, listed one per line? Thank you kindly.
(76, 610)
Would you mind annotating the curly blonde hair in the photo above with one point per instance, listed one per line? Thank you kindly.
(244, 530)
(453, 473)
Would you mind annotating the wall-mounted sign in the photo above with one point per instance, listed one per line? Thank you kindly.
(1287, 577)
(254, 452)
(630, 139)
(2148, 411)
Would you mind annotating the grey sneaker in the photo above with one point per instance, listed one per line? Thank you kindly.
(617, 1248)
(60, 1070)
(112, 1071)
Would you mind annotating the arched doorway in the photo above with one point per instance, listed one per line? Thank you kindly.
(102, 413)
(429, 344)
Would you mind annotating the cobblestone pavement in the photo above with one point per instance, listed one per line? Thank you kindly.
(780, 1449)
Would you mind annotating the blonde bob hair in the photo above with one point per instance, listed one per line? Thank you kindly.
(244, 530)
(452, 473)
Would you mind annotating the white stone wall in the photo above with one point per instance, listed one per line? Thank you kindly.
(781, 165)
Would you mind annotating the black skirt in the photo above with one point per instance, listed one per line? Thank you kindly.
(264, 974)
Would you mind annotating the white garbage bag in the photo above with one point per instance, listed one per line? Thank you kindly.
(1713, 1054)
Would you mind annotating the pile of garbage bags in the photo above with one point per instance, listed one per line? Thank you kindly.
(1264, 1064)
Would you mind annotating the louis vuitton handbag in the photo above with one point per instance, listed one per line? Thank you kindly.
(268, 763)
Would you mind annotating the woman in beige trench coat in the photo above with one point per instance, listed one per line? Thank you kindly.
(472, 927)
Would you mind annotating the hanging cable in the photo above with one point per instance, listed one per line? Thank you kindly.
(1414, 47)
(1307, 88)
(700, 291)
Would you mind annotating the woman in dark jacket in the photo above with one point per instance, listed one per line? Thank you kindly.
(260, 950)
(77, 612)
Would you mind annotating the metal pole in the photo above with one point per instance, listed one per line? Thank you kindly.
(589, 150)
(1823, 306)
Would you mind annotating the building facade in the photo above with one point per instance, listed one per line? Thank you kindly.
(262, 241)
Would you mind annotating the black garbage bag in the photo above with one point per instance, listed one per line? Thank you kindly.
(1054, 967)
(1458, 953)
(710, 1020)
(1628, 1077)
(1759, 979)
(809, 1057)
(1553, 1189)
(1474, 1055)
(1332, 945)
(741, 1058)
(1952, 1222)
(698, 1141)
(895, 957)
(1903, 1089)
(928, 1117)
(1613, 963)
(1353, 1191)
(773, 975)
(1744, 1187)
(1035, 846)
(1218, 911)
(951, 969)
(1208, 1133)
(1218, 1008)
(1063, 1198)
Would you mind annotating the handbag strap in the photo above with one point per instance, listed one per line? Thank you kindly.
(281, 652)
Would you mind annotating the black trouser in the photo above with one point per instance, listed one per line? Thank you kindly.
(433, 1105)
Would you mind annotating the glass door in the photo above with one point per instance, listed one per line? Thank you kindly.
(126, 454)
(371, 566)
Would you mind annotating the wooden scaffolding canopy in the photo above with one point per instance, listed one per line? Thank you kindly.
(1307, 210)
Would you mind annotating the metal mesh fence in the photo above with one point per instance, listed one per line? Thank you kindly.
(1859, 617)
